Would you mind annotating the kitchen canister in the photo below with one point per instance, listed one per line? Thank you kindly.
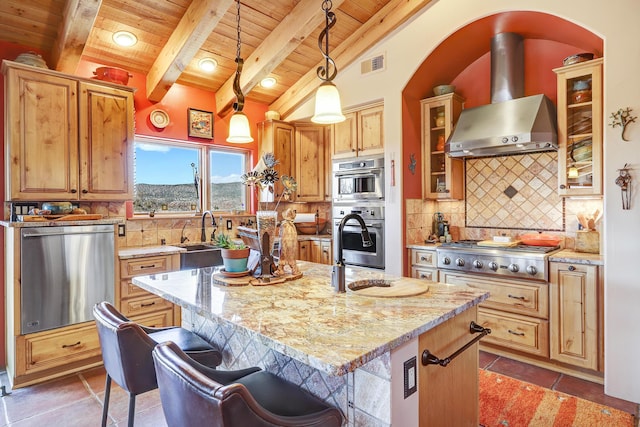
(440, 119)
(588, 241)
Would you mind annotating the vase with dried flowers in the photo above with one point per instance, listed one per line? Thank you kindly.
(262, 179)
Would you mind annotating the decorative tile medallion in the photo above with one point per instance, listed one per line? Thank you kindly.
(514, 192)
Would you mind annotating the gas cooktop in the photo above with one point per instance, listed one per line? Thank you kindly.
(473, 244)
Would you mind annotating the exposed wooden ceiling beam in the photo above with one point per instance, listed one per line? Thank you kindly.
(387, 19)
(293, 30)
(192, 31)
(77, 21)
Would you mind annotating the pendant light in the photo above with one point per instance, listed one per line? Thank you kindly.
(239, 131)
(328, 109)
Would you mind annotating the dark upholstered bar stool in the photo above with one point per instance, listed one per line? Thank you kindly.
(195, 395)
(126, 353)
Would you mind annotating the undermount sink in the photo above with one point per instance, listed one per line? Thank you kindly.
(199, 256)
(388, 288)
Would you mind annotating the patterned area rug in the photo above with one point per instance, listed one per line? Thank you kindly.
(506, 402)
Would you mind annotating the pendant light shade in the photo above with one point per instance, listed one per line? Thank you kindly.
(328, 109)
(239, 131)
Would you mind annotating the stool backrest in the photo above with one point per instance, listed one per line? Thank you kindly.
(126, 350)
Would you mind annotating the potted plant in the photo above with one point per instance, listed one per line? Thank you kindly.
(234, 254)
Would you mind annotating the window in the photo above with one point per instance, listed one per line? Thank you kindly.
(228, 193)
(173, 177)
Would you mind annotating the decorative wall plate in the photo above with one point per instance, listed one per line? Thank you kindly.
(159, 118)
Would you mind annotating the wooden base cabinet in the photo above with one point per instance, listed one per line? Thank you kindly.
(319, 251)
(423, 264)
(142, 306)
(88, 127)
(449, 396)
(574, 315)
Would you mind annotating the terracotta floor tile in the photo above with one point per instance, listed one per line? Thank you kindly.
(592, 391)
(525, 372)
(44, 397)
(95, 379)
(119, 403)
(85, 412)
(486, 359)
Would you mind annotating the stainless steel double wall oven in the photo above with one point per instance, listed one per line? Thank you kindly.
(358, 187)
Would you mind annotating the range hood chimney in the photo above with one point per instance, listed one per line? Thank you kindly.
(511, 124)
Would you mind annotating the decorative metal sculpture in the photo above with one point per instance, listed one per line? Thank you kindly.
(622, 117)
(412, 163)
(624, 182)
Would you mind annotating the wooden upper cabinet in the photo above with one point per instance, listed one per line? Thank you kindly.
(309, 163)
(275, 136)
(361, 134)
(41, 122)
(106, 143)
(66, 138)
(580, 133)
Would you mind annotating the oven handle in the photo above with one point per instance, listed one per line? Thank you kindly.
(376, 171)
(357, 226)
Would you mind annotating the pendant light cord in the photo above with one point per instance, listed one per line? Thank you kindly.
(328, 71)
(237, 90)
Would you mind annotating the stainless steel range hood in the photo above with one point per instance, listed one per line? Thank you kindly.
(511, 124)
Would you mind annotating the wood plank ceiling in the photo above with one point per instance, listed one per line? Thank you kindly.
(279, 39)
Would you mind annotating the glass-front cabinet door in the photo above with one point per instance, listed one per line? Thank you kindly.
(443, 176)
(580, 129)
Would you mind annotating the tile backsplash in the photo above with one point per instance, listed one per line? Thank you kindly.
(509, 195)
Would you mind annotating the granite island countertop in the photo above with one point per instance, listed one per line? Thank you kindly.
(306, 320)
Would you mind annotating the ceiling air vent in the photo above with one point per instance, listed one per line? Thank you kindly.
(377, 63)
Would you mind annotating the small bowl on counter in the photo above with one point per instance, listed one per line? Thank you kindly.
(310, 227)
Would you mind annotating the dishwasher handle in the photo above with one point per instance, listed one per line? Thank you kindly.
(65, 231)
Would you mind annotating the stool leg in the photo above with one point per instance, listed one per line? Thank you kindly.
(132, 409)
(105, 404)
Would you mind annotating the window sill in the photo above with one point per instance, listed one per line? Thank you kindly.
(216, 214)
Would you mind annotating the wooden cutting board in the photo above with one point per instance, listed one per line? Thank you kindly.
(79, 217)
(498, 244)
(404, 288)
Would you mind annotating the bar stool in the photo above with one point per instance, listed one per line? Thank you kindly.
(126, 352)
(195, 395)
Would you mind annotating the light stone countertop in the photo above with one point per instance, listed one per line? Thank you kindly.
(571, 256)
(306, 320)
(147, 251)
(28, 224)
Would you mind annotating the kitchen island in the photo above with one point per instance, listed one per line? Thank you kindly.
(350, 350)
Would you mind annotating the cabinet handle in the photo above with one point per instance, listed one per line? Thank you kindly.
(148, 304)
(85, 191)
(425, 276)
(74, 191)
(424, 258)
(516, 297)
(520, 334)
(71, 345)
(147, 266)
(572, 268)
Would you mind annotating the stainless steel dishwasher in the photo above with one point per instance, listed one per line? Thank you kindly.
(64, 272)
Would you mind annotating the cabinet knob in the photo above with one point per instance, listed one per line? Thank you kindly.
(562, 186)
(85, 191)
(572, 268)
(74, 191)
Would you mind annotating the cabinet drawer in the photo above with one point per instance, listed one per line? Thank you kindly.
(530, 299)
(50, 349)
(430, 274)
(423, 258)
(523, 333)
(158, 319)
(129, 290)
(149, 265)
(144, 305)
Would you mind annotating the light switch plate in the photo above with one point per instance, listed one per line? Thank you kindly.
(410, 377)
(121, 230)
(229, 224)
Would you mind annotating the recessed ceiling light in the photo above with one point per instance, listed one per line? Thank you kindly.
(207, 64)
(268, 82)
(124, 38)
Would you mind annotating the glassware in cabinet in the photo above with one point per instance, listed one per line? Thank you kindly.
(580, 129)
(443, 177)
